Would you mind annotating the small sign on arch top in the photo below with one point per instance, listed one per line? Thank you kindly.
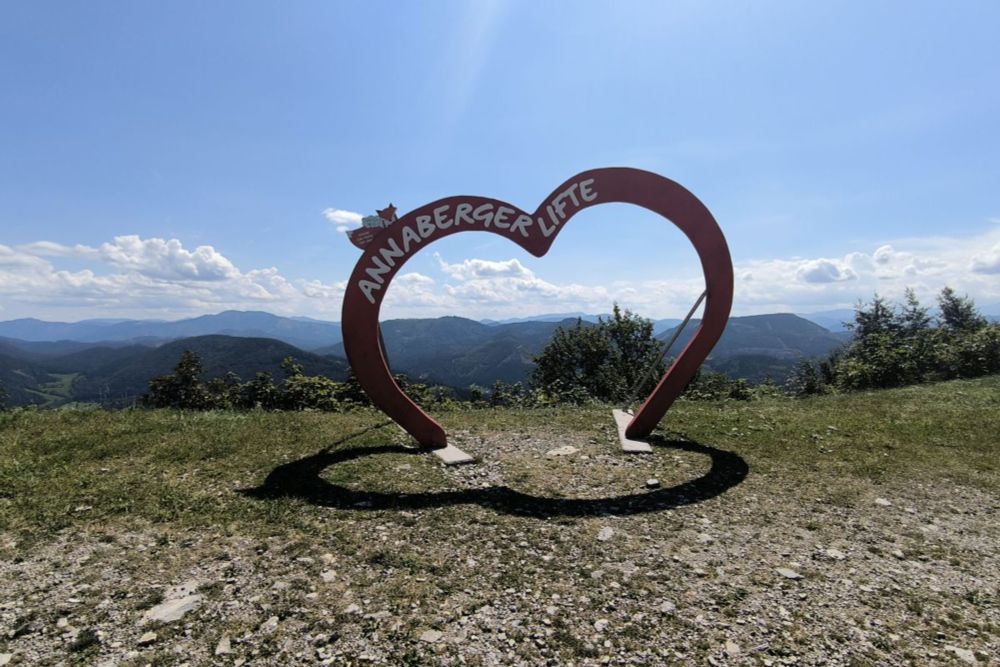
(372, 226)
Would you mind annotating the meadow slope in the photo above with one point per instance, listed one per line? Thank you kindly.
(858, 529)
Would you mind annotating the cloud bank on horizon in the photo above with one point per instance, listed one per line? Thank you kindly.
(130, 276)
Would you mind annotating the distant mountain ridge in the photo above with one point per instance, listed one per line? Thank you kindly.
(301, 332)
(782, 335)
(458, 352)
(304, 332)
(759, 347)
(834, 320)
(119, 375)
(452, 351)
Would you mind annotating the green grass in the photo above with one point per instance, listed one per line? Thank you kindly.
(57, 391)
(64, 468)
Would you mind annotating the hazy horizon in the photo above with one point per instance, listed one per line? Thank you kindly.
(830, 313)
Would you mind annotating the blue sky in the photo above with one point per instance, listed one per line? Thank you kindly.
(172, 159)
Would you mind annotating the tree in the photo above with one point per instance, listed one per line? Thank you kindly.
(894, 347)
(224, 392)
(635, 353)
(876, 357)
(576, 359)
(915, 319)
(878, 318)
(959, 313)
(183, 389)
(477, 395)
(351, 391)
(291, 367)
(3, 397)
(806, 381)
(606, 361)
(259, 393)
(506, 395)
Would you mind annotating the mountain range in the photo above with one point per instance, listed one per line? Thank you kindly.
(757, 347)
(302, 332)
(298, 331)
(112, 361)
(117, 375)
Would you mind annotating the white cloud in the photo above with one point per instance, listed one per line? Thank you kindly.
(480, 284)
(924, 264)
(345, 220)
(825, 271)
(154, 257)
(315, 289)
(415, 295)
(883, 255)
(13, 259)
(489, 288)
(167, 260)
(413, 279)
(50, 249)
(134, 277)
(475, 269)
(988, 262)
(131, 276)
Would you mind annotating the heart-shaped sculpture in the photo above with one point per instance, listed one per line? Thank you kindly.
(386, 250)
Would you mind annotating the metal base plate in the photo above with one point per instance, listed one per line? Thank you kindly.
(629, 446)
(452, 455)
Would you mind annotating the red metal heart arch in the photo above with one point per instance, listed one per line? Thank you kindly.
(390, 249)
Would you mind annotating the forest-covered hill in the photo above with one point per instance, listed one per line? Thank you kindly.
(451, 351)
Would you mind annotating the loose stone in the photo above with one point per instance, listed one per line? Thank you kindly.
(431, 636)
(787, 573)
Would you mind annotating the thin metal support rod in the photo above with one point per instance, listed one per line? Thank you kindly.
(381, 342)
(666, 348)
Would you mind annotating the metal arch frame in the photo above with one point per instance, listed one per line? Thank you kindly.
(382, 259)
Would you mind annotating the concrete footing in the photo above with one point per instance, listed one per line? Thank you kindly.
(452, 455)
(629, 446)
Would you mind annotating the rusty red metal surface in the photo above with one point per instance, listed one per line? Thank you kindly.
(387, 252)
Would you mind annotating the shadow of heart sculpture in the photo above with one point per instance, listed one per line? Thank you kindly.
(302, 479)
(388, 248)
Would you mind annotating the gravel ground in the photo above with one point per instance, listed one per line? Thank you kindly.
(552, 550)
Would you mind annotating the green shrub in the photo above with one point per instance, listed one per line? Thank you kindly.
(897, 346)
(613, 360)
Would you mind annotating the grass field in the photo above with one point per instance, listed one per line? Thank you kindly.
(58, 390)
(857, 529)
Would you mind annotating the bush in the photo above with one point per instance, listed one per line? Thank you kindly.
(897, 346)
(712, 386)
(258, 394)
(310, 392)
(612, 360)
(807, 379)
(183, 389)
